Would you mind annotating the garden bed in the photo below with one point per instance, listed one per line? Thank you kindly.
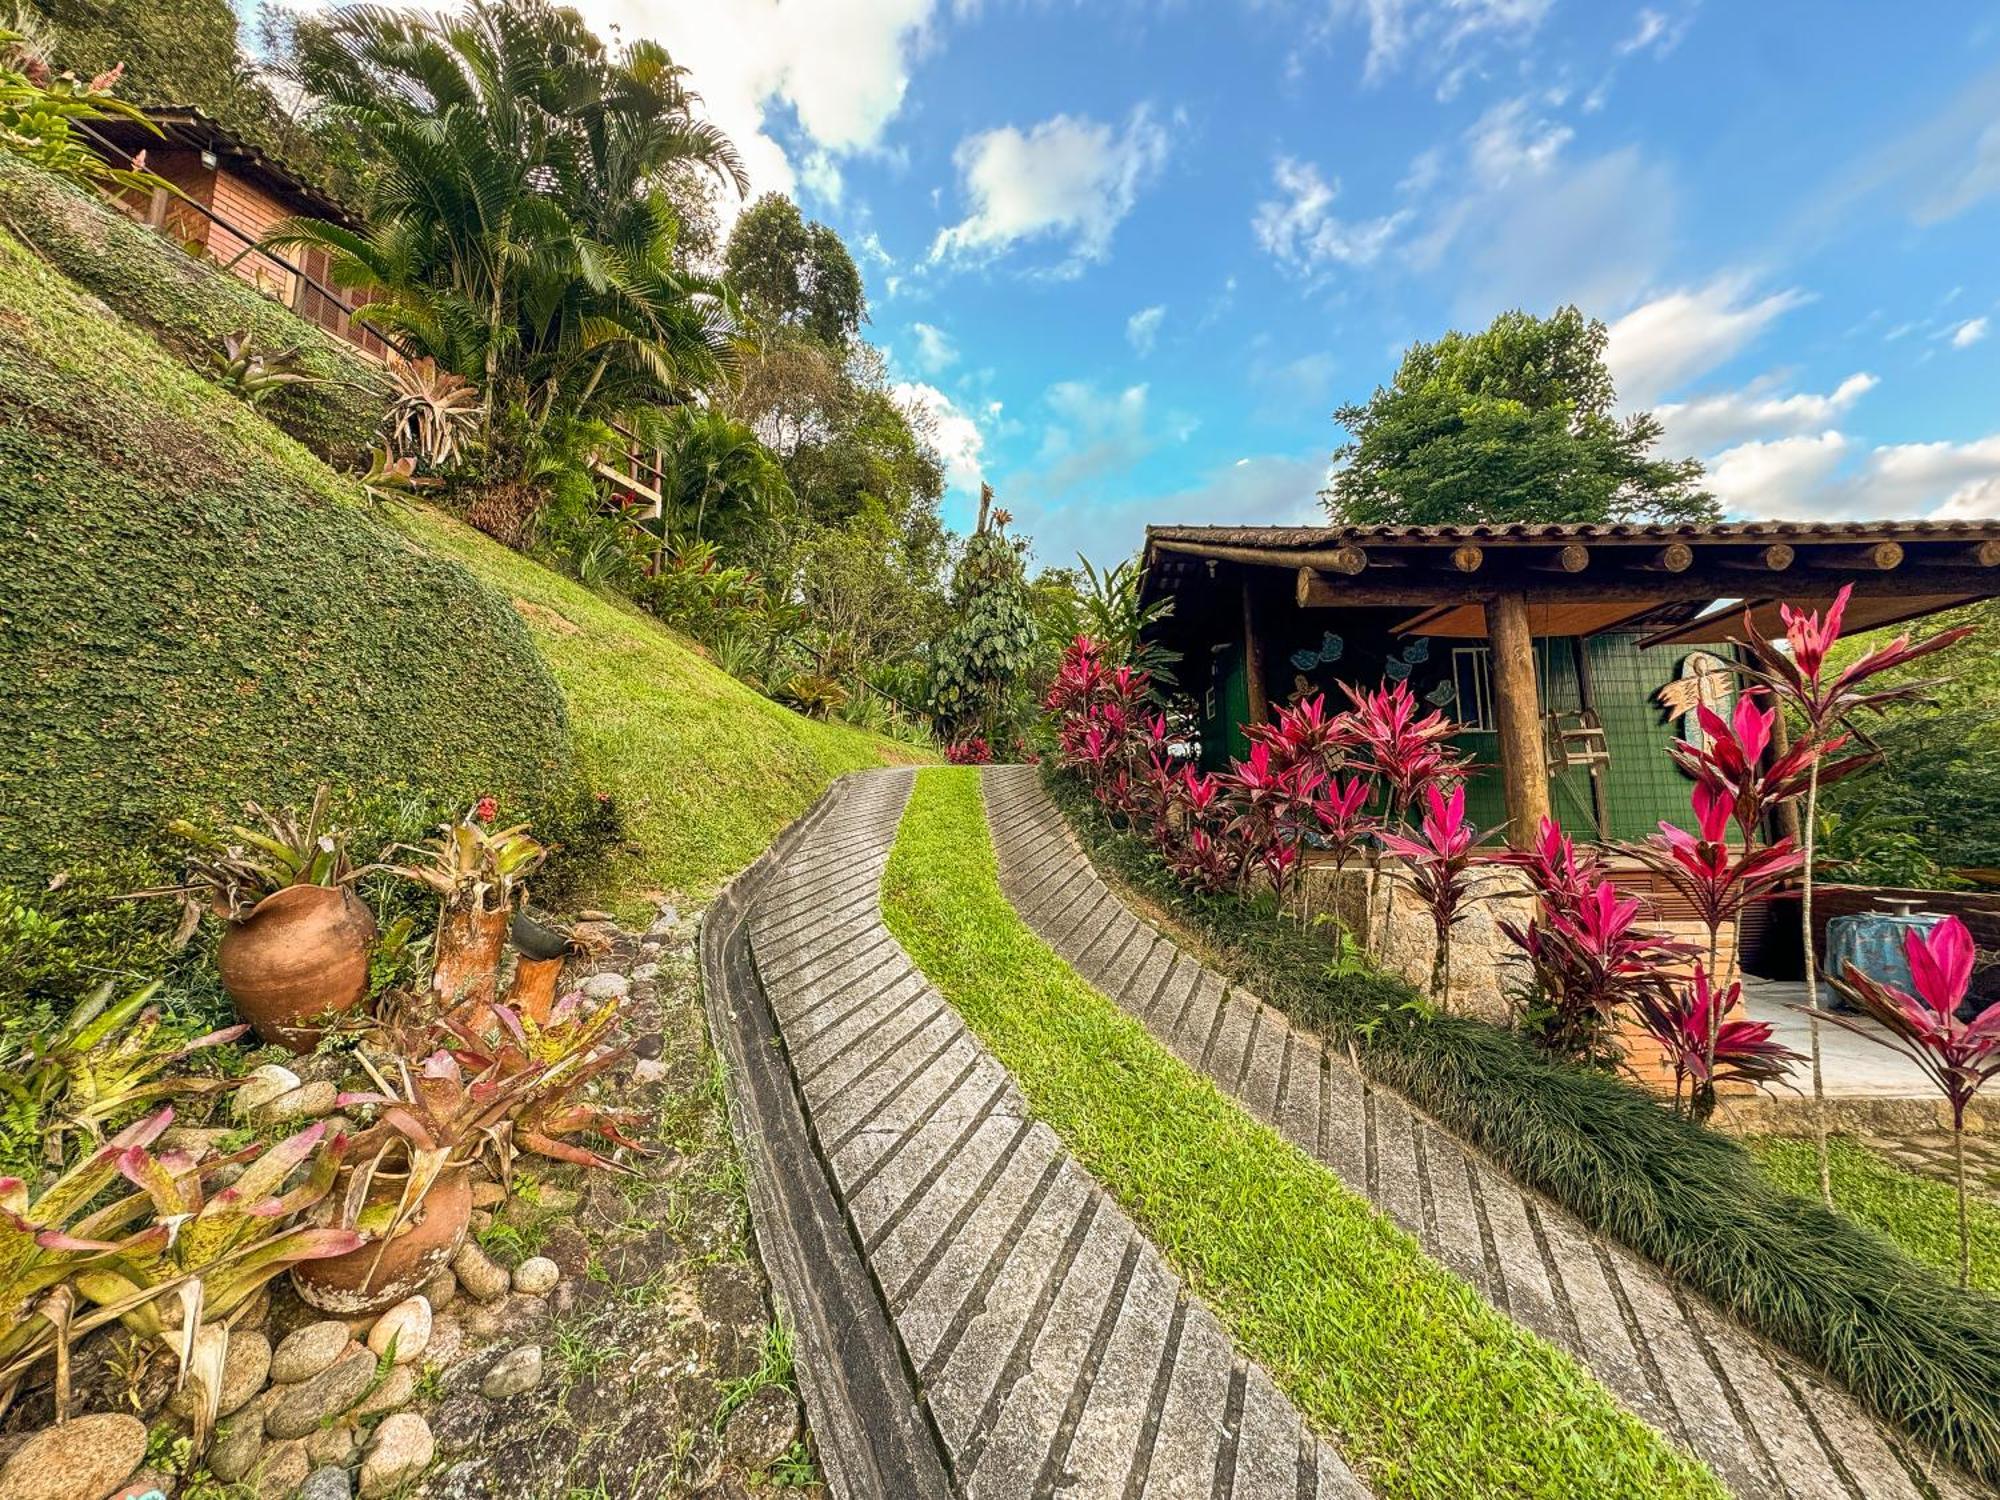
(1920, 1352)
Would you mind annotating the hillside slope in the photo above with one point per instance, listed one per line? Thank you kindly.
(196, 612)
(703, 770)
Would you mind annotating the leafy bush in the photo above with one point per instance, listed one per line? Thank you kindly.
(188, 304)
(1900, 1336)
(199, 614)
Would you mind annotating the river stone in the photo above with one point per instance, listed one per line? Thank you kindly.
(407, 1325)
(308, 1350)
(326, 1395)
(488, 1195)
(515, 1375)
(283, 1470)
(478, 1275)
(84, 1459)
(260, 1086)
(608, 985)
(398, 1390)
(536, 1276)
(332, 1445)
(328, 1483)
(441, 1290)
(645, 973)
(238, 1442)
(306, 1102)
(245, 1367)
(402, 1450)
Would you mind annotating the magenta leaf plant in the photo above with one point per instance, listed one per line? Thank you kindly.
(1691, 1023)
(1960, 1057)
(1438, 868)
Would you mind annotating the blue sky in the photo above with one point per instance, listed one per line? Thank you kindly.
(1130, 256)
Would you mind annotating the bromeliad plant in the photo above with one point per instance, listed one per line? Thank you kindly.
(251, 375)
(236, 868)
(479, 873)
(1960, 1057)
(1691, 1023)
(1825, 700)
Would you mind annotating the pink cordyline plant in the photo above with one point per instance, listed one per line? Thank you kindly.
(1587, 950)
(1440, 862)
(1270, 809)
(1705, 1047)
(1960, 1057)
(1345, 828)
(1406, 748)
(1824, 702)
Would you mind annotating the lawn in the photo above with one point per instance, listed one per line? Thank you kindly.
(1918, 1213)
(1428, 1390)
(704, 770)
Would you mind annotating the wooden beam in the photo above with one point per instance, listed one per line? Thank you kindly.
(1571, 557)
(1786, 814)
(1467, 558)
(1253, 657)
(1524, 774)
(1341, 559)
(1870, 557)
(1972, 555)
(1772, 559)
(1701, 582)
(1675, 557)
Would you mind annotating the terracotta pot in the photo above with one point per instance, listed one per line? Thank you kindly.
(378, 1276)
(534, 990)
(465, 967)
(301, 954)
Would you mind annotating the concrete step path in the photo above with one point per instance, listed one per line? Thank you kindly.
(1055, 1352)
(1766, 1424)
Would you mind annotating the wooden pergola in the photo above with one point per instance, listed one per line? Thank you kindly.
(1507, 585)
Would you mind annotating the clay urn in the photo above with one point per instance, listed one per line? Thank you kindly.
(298, 957)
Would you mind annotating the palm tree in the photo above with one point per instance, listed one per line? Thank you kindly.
(519, 232)
(717, 469)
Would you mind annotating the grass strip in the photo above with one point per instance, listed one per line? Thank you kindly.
(1837, 1293)
(1919, 1213)
(1429, 1390)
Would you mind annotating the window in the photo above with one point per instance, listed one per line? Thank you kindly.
(1472, 676)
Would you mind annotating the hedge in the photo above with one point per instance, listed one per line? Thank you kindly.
(1901, 1336)
(188, 304)
(196, 611)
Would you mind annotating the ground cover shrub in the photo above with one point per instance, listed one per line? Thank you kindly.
(1431, 1391)
(199, 613)
(188, 304)
(1833, 1291)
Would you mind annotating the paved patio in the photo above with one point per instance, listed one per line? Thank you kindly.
(1851, 1066)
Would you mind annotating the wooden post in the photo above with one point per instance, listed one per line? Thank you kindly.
(1786, 814)
(1253, 656)
(1524, 775)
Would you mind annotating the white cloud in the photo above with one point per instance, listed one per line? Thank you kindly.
(1068, 179)
(955, 435)
(1830, 477)
(1653, 31)
(936, 352)
(1507, 143)
(1677, 337)
(1142, 329)
(1445, 35)
(840, 67)
(1299, 230)
(1094, 433)
(820, 174)
(1705, 423)
(1968, 333)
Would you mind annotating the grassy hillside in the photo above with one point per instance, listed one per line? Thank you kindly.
(196, 611)
(188, 304)
(704, 770)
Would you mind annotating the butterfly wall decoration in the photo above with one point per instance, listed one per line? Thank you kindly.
(1330, 648)
(1414, 654)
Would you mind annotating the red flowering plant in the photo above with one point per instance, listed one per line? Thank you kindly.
(969, 750)
(1824, 700)
(1691, 1023)
(1959, 1056)
(1438, 865)
(1587, 952)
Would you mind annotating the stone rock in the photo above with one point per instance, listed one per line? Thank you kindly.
(665, 922)
(328, 1394)
(282, 1470)
(588, 914)
(237, 1445)
(260, 1086)
(517, 1374)
(396, 1391)
(461, 1422)
(448, 1341)
(246, 1365)
(407, 1326)
(648, 1070)
(645, 973)
(145, 1482)
(84, 1459)
(482, 1280)
(762, 1430)
(333, 1445)
(306, 1102)
(195, 1140)
(482, 1220)
(488, 1195)
(403, 1449)
(308, 1350)
(441, 1290)
(513, 1318)
(327, 1483)
(536, 1276)
(608, 985)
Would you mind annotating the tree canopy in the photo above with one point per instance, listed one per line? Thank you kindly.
(793, 274)
(1514, 423)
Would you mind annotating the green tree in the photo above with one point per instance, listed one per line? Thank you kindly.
(518, 230)
(980, 672)
(720, 481)
(789, 273)
(1516, 423)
